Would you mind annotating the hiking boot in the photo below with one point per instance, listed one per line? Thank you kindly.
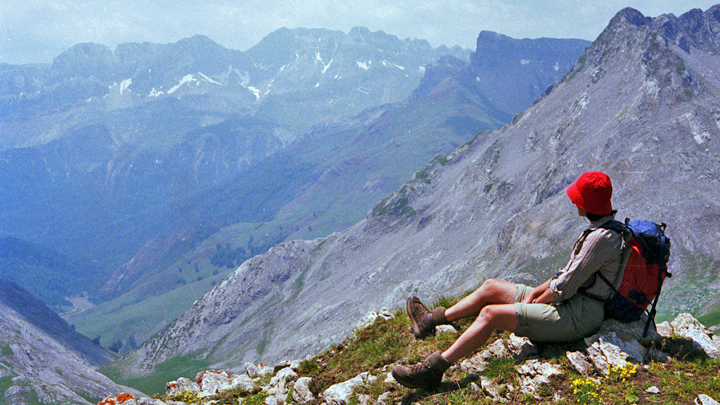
(422, 375)
(424, 321)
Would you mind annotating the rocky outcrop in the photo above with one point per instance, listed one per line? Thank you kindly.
(687, 326)
(615, 348)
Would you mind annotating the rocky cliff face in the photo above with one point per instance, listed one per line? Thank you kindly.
(528, 63)
(641, 104)
(42, 358)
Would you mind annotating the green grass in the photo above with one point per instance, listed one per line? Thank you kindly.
(386, 343)
(501, 370)
(182, 366)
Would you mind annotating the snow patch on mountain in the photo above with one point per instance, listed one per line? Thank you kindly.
(155, 93)
(325, 67)
(124, 85)
(390, 64)
(364, 65)
(209, 80)
(255, 91)
(186, 79)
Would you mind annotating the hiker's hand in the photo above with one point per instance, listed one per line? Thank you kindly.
(533, 296)
(536, 292)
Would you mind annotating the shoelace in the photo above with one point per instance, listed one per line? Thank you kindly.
(419, 367)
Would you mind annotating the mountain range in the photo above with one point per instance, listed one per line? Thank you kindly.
(641, 104)
(153, 171)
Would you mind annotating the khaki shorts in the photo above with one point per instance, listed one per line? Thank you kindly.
(571, 320)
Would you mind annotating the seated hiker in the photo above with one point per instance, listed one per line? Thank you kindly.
(555, 311)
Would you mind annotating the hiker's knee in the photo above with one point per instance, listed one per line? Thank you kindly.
(488, 314)
(498, 317)
(501, 291)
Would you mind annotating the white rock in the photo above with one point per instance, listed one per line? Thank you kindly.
(535, 373)
(340, 394)
(653, 390)
(687, 326)
(371, 317)
(383, 398)
(301, 391)
(603, 356)
(212, 382)
(251, 370)
(181, 385)
(474, 364)
(684, 322)
(478, 362)
(498, 349)
(491, 388)
(445, 329)
(664, 329)
(282, 381)
(521, 347)
(614, 349)
(273, 400)
(580, 363)
(131, 401)
(258, 371)
(242, 382)
(703, 399)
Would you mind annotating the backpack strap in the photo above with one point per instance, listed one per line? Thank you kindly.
(626, 234)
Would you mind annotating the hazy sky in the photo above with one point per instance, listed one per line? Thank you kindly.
(38, 30)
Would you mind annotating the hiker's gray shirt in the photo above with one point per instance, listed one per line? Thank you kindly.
(597, 250)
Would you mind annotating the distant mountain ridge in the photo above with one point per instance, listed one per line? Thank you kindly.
(192, 110)
(148, 163)
(641, 104)
(133, 161)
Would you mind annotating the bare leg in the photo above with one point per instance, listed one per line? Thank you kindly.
(491, 317)
(490, 292)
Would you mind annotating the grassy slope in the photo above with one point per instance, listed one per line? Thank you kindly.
(387, 343)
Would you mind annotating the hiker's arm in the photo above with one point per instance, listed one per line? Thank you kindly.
(598, 248)
(540, 294)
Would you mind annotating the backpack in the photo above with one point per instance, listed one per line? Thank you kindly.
(644, 269)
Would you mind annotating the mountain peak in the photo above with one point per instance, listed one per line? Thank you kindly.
(359, 32)
(85, 60)
(631, 16)
(197, 42)
(488, 36)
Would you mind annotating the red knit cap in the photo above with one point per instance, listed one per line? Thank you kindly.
(592, 192)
